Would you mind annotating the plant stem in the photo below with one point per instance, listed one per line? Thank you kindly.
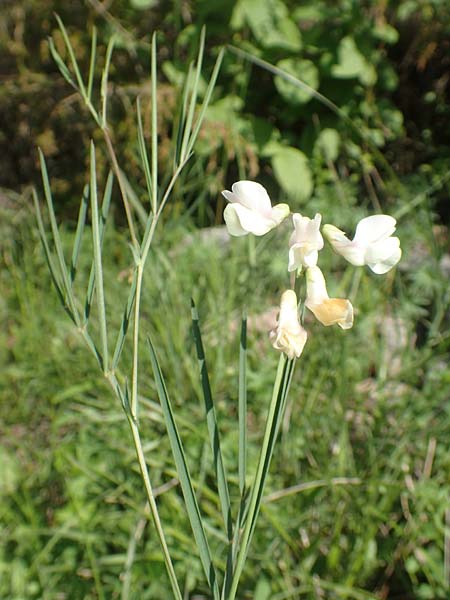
(153, 507)
(256, 494)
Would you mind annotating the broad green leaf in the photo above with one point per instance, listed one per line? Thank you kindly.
(291, 168)
(304, 70)
(352, 64)
(270, 23)
(328, 143)
(143, 4)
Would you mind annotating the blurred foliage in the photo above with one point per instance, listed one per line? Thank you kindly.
(385, 66)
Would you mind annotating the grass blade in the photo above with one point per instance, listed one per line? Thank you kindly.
(193, 99)
(79, 233)
(154, 100)
(243, 406)
(209, 91)
(61, 64)
(280, 389)
(105, 75)
(104, 214)
(182, 116)
(92, 63)
(213, 429)
(68, 293)
(47, 253)
(184, 476)
(125, 323)
(73, 59)
(97, 244)
(143, 151)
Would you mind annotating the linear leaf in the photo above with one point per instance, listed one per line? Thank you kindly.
(68, 293)
(183, 115)
(104, 214)
(277, 404)
(52, 268)
(92, 63)
(73, 59)
(105, 75)
(96, 241)
(61, 64)
(193, 98)
(206, 101)
(243, 405)
(184, 476)
(213, 429)
(143, 151)
(79, 233)
(125, 323)
(154, 101)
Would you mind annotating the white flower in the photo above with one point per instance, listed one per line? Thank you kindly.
(305, 242)
(289, 336)
(329, 311)
(250, 210)
(372, 244)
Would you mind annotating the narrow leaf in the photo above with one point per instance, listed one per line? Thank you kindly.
(92, 63)
(96, 241)
(213, 429)
(61, 64)
(193, 98)
(73, 59)
(52, 268)
(143, 151)
(105, 75)
(154, 100)
(184, 476)
(206, 101)
(79, 233)
(125, 323)
(183, 115)
(280, 389)
(243, 405)
(104, 214)
(68, 293)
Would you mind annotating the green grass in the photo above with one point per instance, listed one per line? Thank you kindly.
(367, 432)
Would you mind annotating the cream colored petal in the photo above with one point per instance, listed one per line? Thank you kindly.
(232, 221)
(289, 336)
(280, 212)
(249, 220)
(252, 195)
(351, 251)
(316, 289)
(374, 228)
(333, 311)
(384, 255)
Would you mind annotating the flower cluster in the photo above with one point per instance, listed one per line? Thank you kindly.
(249, 210)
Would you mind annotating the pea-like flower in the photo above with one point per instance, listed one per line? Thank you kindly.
(373, 244)
(305, 242)
(329, 311)
(289, 336)
(250, 210)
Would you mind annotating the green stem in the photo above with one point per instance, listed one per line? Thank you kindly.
(136, 322)
(255, 499)
(153, 507)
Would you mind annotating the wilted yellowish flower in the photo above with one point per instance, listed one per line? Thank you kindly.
(373, 244)
(289, 336)
(250, 210)
(329, 311)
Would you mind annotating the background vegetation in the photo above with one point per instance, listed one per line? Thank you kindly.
(365, 438)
